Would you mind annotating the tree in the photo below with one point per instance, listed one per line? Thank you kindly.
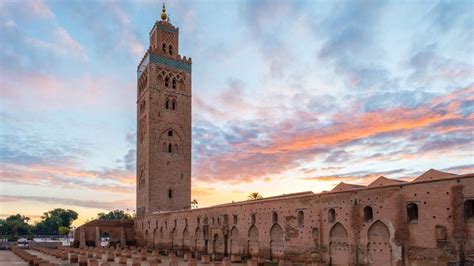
(194, 204)
(15, 225)
(63, 230)
(54, 219)
(66, 216)
(114, 215)
(254, 196)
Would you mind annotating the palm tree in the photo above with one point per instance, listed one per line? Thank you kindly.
(194, 204)
(254, 196)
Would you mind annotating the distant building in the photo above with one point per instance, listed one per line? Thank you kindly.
(429, 221)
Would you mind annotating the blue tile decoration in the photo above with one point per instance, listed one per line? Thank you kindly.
(161, 60)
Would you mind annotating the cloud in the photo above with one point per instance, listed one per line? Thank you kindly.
(253, 150)
(107, 205)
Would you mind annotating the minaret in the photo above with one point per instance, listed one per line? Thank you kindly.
(163, 123)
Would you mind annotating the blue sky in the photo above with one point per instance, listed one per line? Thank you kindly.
(297, 94)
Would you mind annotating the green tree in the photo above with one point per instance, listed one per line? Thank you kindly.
(54, 219)
(63, 230)
(254, 196)
(15, 225)
(66, 216)
(114, 215)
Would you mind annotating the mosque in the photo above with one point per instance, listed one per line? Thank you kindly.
(428, 221)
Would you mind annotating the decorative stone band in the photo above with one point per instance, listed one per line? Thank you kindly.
(169, 62)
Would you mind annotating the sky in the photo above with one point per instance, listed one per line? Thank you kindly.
(288, 96)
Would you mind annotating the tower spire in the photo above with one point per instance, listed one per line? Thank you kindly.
(164, 16)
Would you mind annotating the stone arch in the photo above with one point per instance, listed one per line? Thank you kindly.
(155, 238)
(217, 244)
(339, 248)
(234, 241)
(277, 244)
(173, 238)
(379, 250)
(186, 239)
(147, 239)
(199, 240)
(254, 242)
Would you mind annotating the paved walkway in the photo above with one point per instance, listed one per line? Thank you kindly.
(7, 258)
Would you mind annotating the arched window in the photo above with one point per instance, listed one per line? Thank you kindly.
(300, 218)
(469, 209)
(412, 213)
(235, 219)
(331, 216)
(173, 84)
(186, 221)
(198, 221)
(175, 222)
(167, 103)
(274, 218)
(163, 47)
(170, 133)
(170, 193)
(167, 82)
(368, 214)
(170, 148)
(170, 48)
(173, 105)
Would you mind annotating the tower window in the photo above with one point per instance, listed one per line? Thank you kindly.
(235, 219)
(274, 218)
(331, 216)
(173, 105)
(170, 49)
(368, 214)
(173, 83)
(167, 82)
(167, 104)
(170, 193)
(412, 213)
(198, 221)
(253, 218)
(469, 210)
(170, 133)
(170, 148)
(164, 48)
(300, 218)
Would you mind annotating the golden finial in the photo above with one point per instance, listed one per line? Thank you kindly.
(164, 16)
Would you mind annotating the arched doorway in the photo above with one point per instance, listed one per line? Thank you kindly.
(379, 250)
(276, 242)
(147, 239)
(155, 238)
(339, 245)
(186, 240)
(218, 247)
(234, 241)
(199, 241)
(254, 244)
(174, 243)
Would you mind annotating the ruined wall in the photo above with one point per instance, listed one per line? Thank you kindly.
(301, 227)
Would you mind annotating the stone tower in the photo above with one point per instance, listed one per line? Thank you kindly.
(163, 123)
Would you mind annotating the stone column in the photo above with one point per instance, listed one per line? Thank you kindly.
(97, 236)
(123, 237)
(82, 238)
